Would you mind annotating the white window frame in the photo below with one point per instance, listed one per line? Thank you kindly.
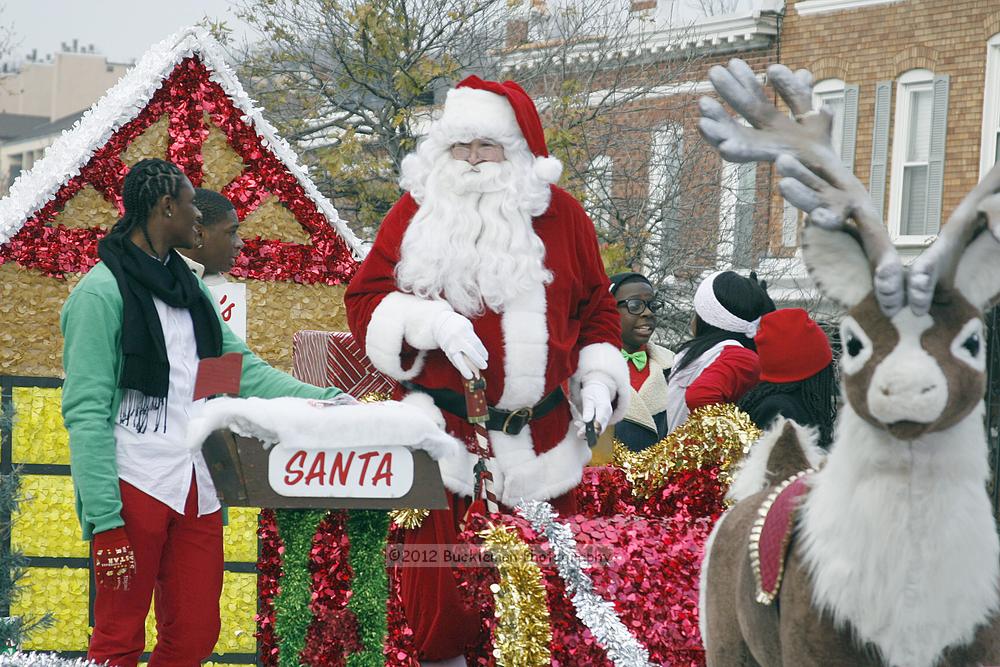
(807, 7)
(991, 106)
(659, 175)
(825, 90)
(906, 85)
(732, 196)
(599, 185)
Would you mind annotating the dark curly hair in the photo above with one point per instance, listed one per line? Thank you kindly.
(213, 206)
(818, 394)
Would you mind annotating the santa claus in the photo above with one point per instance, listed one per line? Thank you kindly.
(485, 266)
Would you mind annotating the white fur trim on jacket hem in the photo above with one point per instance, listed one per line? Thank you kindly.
(603, 362)
(397, 319)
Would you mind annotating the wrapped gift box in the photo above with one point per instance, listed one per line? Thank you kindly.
(335, 359)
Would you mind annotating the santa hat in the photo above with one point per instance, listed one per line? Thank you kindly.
(503, 112)
(791, 346)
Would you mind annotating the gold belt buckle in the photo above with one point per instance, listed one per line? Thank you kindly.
(526, 412)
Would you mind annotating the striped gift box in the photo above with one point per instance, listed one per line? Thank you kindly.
(334, 358)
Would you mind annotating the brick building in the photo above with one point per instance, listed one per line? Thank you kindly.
(915, 86)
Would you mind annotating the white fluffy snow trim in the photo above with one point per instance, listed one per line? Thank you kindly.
(526, 349)
(310, 424)
(397, 319)
(603, 362)
(122, 103)
(548, 169)
(751, 475)
(470, 113)
(530, 476)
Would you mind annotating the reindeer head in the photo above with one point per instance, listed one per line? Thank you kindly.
(914, 349)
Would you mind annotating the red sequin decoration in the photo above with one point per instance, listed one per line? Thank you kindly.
(44, 244)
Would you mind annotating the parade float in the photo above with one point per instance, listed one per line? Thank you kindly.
(615, 584)
(183, 103)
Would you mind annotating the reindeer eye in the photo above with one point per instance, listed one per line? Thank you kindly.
(853, 346)
(972, 344)
(967, 346)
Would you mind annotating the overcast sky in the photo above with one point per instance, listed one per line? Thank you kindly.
(122, 30)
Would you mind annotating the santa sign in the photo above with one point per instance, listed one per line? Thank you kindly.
(364, 472)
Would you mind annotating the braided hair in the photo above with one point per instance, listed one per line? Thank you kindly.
(213, 206)
(818, 394)
(146, 182)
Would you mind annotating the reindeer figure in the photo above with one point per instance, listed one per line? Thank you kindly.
(893, 557)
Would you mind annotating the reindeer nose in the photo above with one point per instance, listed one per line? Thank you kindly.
(926, 389)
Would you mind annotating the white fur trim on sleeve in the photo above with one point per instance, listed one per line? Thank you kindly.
(397, 319)
(603, 362)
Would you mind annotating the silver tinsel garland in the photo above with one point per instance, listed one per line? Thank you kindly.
(42, 660)
(599, 615)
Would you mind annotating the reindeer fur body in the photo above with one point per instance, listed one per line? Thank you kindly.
(910, 601)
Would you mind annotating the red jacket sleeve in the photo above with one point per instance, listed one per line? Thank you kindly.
(726, 380)
(597, 312)
(376, 278)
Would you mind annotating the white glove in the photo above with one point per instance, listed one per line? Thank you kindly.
(595, 399)
(456, 338)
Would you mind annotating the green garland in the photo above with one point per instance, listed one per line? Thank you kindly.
(292, 614)
(368, 531)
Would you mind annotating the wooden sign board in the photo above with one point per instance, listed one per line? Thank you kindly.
(248, 475)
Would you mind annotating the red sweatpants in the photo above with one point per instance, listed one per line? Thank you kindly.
(443, 625)
(178, 556)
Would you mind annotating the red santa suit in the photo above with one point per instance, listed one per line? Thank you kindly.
(551, 338)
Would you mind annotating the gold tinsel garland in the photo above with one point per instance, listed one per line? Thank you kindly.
(524, 631)
(408, 518)
(713, 435)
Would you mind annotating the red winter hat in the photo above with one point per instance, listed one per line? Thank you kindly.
(791, 346)
(503, 112)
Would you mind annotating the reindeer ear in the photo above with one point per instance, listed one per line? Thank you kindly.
(978, 275)
(837, 263)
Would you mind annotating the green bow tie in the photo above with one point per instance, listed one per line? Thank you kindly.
(638, 359)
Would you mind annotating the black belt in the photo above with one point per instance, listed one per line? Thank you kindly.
(509, 422)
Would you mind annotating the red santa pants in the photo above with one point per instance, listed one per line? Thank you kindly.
(443, 626)
(180, 557)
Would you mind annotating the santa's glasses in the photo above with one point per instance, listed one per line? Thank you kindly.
(484, 151)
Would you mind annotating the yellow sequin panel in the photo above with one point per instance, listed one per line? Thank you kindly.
(220, 163)
(46, 523)
(87, 208)
(237, 609)
(38, 434)
(240, 536)
(154, 142)
(65, 593)
(29, 321)
(271, 220)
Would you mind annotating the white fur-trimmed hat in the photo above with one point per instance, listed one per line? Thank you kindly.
(503, 112)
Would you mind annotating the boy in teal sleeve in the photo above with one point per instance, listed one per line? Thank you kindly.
(135, 329)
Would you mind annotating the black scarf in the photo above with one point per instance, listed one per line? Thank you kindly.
(140, 277)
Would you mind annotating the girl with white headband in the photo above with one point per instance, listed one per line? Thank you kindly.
(719, 363)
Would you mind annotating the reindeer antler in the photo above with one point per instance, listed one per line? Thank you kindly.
(938, 264)
(815, 180)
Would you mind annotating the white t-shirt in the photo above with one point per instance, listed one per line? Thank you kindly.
(150, 433)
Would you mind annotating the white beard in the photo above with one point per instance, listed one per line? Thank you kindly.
(471, 242)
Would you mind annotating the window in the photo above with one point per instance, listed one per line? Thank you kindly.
(918, 156)
(990, 152)
(598, 185)
(831, 93)
(736, 206)
(666, 155)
